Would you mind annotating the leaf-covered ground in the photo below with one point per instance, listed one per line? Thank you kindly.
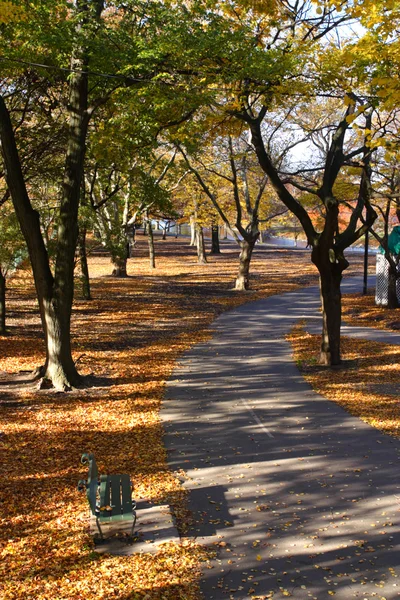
(368, 386)
(363, 312)
(128, 339)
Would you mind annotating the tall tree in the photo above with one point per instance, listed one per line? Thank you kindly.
(228, 168)
(55, 290)
(295, 58)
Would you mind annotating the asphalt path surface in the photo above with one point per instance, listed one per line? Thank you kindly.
(297, 497)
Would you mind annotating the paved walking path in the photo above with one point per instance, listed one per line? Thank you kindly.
(297, 497)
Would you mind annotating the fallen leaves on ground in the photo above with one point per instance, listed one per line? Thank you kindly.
(127, 339)
(368, 384)
(363, 312)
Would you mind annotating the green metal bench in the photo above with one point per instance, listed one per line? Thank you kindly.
(109, 496)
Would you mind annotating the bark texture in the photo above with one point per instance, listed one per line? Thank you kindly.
(119, 267)
(201, 250)
(392, 286)
(193, 230)
(215, 249)
(2, 304)
(150, 240)
(85, 280)
(55, 292)
(246, 251)
(330, 268)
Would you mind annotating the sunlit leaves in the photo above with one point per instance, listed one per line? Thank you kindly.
(356, 389)
(11, 11)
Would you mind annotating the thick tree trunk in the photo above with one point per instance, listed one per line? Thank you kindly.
(246, 251)
(119, 264)
(331, 300)
(392, 287)
(193, 231)
(215, 249)
(85, 280)
(55, 293)
(2, 304)
(150, 239)
(59, 368)
(130, 244)
(201, 250)
(330, 272)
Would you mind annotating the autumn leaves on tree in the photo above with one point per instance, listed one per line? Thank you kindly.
(220, 112)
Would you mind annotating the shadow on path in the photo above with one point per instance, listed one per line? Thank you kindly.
(297, 496)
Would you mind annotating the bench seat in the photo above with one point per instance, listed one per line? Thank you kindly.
(109, 496)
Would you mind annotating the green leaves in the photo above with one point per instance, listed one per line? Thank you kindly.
(12, 244)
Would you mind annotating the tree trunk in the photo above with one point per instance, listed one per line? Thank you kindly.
(130, 244)
(215, 249)
(193, 231)
(246, 251)
(85, 280)
(330, 270)
(201, 251)
(150, 239)
(59, 368)
(2, 304)
(55, 293)
(119, 264)
(392, 287)
(331, 300)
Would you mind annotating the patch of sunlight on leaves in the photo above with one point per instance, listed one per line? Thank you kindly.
(130, 335)
(361, 390)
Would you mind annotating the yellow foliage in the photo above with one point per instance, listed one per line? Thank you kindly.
(11, 12)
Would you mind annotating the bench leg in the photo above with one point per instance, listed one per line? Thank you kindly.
(134, 523)
(99, 528)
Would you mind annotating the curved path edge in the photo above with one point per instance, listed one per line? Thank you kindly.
(297, 497)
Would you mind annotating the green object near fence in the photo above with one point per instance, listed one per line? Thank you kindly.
(393, 242)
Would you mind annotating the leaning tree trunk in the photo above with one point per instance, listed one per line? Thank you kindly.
(215, 249)
(246, 251)
(85, 280)
(55, 292)
(2, 304)
(201, 250)
(150, 240)
(330, 274)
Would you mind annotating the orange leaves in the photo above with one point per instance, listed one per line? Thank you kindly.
(362, 311)
(360, 388)
(128, 340)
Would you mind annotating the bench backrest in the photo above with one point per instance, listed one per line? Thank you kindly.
(92, 484)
